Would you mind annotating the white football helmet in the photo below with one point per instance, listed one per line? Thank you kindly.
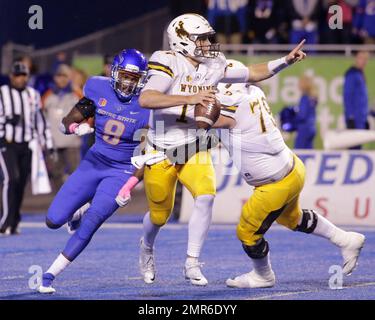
(230, 88)
(185, 30)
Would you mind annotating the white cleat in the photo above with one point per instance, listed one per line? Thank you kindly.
(146, 263)
(252, 280)
(192, 272)
(351, 251)
(46, 290)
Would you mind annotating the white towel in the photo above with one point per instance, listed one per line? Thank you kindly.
(39, 177)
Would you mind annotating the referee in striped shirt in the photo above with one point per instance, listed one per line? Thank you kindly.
(21, 120)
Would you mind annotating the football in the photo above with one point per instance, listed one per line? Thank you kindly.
(205, 117)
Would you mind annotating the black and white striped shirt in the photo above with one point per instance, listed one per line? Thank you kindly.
(32, 124)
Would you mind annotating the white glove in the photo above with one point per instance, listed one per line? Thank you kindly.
(83, 129)
(123, 201)
(148, 159)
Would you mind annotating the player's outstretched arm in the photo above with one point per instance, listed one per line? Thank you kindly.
(153, 99)
(265, 70)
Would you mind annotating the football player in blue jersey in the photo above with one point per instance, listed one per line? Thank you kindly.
(105, 175)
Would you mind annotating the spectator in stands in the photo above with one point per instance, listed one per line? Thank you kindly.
(40, 82)
(304, 19)
(355, 94)
(306, 114)
(107, 63)
(266, 21)
(344, 35)
(61, 58)
(364, 21)
(228, 18)
(57, 102)
(79, 78)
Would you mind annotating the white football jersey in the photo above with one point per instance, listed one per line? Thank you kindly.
(175, 126)
(255, 144)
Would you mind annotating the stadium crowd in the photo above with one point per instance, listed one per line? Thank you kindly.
(285, 21)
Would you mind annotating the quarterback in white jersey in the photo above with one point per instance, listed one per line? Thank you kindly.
(265, 162)
(178, 80)
(170, 126)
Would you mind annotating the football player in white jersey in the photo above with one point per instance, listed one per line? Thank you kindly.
(178, 80)
(265, 162)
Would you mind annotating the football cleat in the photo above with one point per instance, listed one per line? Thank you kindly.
(351, 251)
(146, 263)
(252, 280)
(192, 272)
(75, 222)
(46, 290)
(46, 286)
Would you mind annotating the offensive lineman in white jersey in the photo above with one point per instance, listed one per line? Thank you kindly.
(265, 162)
(177, 81)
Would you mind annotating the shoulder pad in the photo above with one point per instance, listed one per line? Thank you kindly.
(162, 62)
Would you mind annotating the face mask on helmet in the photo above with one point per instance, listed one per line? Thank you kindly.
(205, 45)
(127, 83)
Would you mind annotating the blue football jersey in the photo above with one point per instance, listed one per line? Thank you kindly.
(116, 122)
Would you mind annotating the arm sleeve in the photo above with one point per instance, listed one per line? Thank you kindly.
(159, 83)
(86, 107)
(42, 126)
(236, 75)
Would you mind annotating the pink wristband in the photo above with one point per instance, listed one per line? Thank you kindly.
(73, 126)
(128, 186)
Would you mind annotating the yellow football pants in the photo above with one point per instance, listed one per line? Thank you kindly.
(275, 201)
(197, 175)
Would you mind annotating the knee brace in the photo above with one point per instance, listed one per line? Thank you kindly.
(309, 221)
(258, 251)
(52, 225)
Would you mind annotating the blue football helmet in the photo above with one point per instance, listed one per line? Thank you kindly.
(128, 73)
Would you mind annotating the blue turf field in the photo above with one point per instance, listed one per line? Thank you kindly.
(108, 268)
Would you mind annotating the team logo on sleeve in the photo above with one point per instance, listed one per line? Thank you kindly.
(102, 102)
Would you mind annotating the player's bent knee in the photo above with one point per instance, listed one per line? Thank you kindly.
(257, 251)
(52, 225)
(244, 234)
(160, 218)
(309, 221)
